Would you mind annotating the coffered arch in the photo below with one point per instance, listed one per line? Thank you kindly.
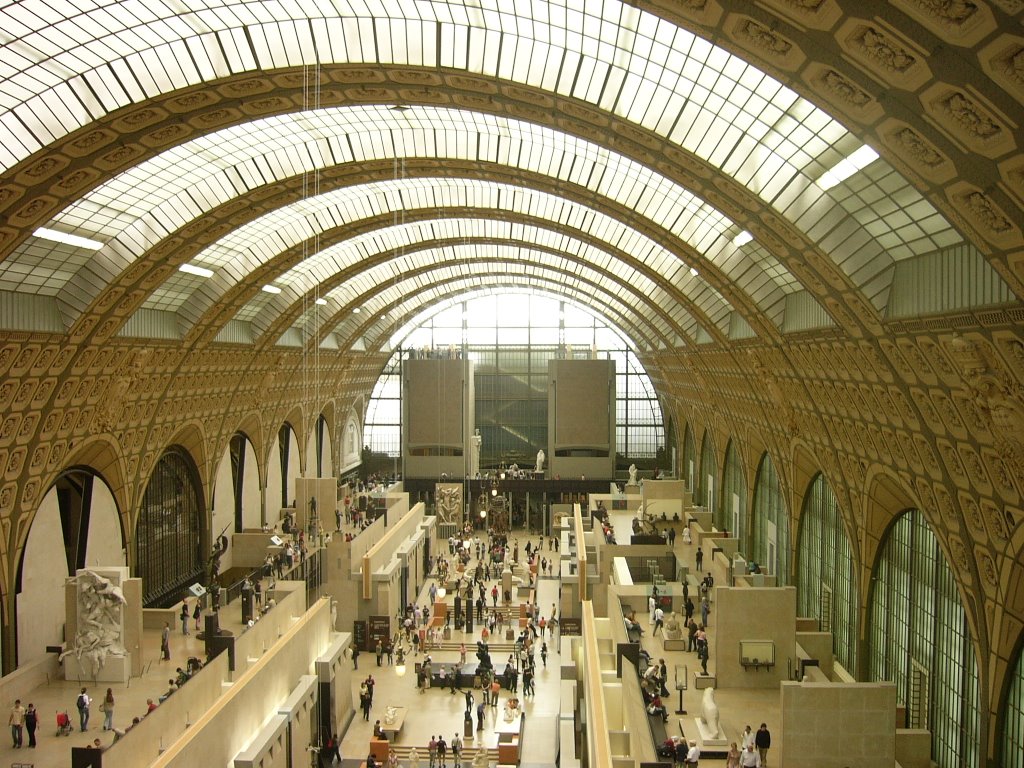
(658, 328)
(279, 239)
(465, 236)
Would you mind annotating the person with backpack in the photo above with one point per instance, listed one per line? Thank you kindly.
(442, 752)
(83, 709)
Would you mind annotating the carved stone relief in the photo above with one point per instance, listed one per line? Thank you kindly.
(765, 42)
(968, 119)
(889, 57)
(985, 215)
(959, 21)
(1003, 61)
(815, 14)
(972, 514)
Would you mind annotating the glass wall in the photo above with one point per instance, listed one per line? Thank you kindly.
(690, 470)
(1012, 712)
(770, 521)
(168, 539)
(826, 584)
(731, 514)
(919, 639)
(510, 338)
(707, 491)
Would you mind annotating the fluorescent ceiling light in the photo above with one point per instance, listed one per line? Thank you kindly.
(848, 166)
(742, 238)
(271, 289)
(356, 311)
(693, 271)
(67, 239)
(321, 302)
(194, 270)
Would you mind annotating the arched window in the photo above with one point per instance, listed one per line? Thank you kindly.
(169, 535)
(689, 468)
(1012, 713)
(770, 546)
(284, 446)
(732, 508)
(707, 490)
(919, 639)
(826, 588)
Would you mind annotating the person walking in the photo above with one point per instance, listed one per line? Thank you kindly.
(197, 613)
(732, 757)
(456, 751)
(83, 709)
(107, 707)
(17, 722)
(442, 752)
(700, 559)
(544, 653)
(184, 617)
(31, 722)
(763, 740)
(659, 620)
(705, 607)
(748, 758)
(165, 642)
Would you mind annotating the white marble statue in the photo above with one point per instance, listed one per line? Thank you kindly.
(99, 621)
(474, 464)
(632, 475)
(709, 711)
(539, 467)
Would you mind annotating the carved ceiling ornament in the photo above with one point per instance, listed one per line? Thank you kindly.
(988, 568)
(764, 41)
(966, 117)
(985, 216)
(962, 22)
(997, 396)
(972, 514)
(815, 14)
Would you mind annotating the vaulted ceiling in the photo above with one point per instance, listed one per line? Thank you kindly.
(364, 158)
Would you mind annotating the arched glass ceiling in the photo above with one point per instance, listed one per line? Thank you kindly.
(150, 201)
(390, 307)
(386, 254)
(622, 60)
(246, 248)
(497, 309)
(416, 271)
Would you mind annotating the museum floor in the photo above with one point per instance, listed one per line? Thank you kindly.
(437, 712)
(434, 712)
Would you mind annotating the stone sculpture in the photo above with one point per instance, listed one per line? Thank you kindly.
(99, 632)
(709, 712)
(539, 467)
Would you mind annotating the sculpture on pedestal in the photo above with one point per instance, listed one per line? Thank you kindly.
(539, 467)
(99, 632)
(632, 475)
(709, 712)
(673, 629)
(476, 441)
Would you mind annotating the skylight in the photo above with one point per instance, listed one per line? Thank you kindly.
(67, 238)
(848, 166)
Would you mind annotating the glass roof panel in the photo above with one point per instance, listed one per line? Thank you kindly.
(706, 100)
(639, 292)
(440, 193)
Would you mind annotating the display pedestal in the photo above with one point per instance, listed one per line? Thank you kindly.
(115, 669)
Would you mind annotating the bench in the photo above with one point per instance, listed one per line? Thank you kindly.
(658, 731)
